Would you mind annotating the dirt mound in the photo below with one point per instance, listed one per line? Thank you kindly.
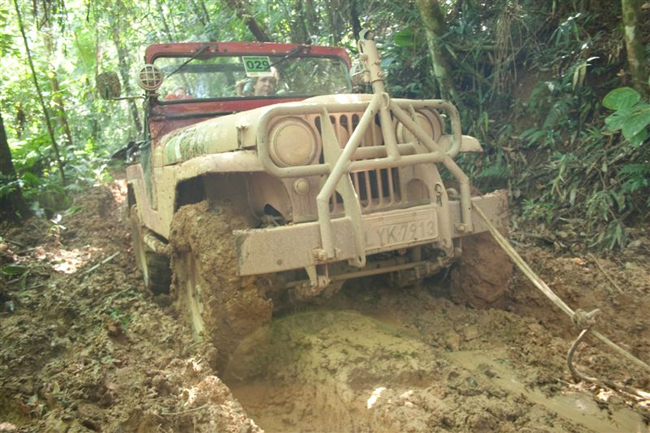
(481, 276)
(85, 348)
(620, 289)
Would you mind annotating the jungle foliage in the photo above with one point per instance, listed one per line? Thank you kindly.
(545, 86)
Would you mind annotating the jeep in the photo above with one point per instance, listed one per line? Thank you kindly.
(246, 200)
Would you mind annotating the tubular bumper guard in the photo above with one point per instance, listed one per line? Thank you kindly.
(342, 158)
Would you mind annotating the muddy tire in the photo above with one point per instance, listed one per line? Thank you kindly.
(481, 276)
(189, 293)
(154, 267)
(219, 306)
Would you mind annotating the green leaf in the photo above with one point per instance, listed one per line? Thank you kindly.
(405, 38)
(73, 210)
(615, 120)
(621, 99)
(6, 38)
(636, 123)
(85, 40)
(14, 269)
(31, 179)
(639, 138)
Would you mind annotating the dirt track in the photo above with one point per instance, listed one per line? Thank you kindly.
(84, 348)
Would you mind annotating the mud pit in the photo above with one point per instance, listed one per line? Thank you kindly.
(85, 348)
(427, 365)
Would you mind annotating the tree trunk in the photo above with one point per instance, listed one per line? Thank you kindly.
(94, 123)
(311, 18)
(56, 90)
(201, 12)
(205, 11)
(163, 21)
(12, 204)
(124, 73)
(331, 10)
(48, 122)
(634, 45)
(435, 27)
(21, 120)
(299, 27)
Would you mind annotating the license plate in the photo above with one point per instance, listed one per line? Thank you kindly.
(400, 228)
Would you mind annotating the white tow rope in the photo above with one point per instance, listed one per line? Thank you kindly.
(582, 319)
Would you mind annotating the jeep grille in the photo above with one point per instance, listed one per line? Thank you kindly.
(376, 189)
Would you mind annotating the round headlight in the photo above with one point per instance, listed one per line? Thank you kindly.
(429, 121)
(150, 78)
(292, 142)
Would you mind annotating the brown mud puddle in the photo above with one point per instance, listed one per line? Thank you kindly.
(343, 371)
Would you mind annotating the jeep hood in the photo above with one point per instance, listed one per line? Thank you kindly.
(232, 132)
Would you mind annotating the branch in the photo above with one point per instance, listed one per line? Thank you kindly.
(240, 9)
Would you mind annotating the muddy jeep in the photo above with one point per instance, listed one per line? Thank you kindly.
(254, 201)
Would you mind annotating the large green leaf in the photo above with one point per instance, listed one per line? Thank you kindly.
(636, 123)
(12, 269)
(85, 41)
(31, 179)
(405, 38)
(639, 138)
(615, 120)
(6, 38)
(622, 98)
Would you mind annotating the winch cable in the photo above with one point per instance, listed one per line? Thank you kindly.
(582, 319)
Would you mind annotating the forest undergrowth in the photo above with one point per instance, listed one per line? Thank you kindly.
(546, 88)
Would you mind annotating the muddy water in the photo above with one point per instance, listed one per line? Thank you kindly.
(327, 371)
(570, 405)
(343, 371)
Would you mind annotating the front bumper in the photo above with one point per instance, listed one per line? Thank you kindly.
(297, 246)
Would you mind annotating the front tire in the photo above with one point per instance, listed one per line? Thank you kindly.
(219, 306)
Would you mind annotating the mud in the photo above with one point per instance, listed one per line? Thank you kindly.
(483, 273)
(204, 258)
(85, 348)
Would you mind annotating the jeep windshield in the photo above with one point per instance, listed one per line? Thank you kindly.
(232, 77)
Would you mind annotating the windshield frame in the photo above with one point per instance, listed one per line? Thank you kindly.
(281, 52)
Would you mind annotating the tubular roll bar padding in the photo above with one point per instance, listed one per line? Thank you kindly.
(337, 163)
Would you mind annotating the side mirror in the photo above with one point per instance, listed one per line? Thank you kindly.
(108, 85)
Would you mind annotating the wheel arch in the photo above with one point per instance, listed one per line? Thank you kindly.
(252, 192)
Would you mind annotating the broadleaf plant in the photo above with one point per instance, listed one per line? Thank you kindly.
(631, 114)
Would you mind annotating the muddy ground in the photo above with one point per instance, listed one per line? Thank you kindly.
(84, 348)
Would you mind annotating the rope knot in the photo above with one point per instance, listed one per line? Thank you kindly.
(584, 320)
